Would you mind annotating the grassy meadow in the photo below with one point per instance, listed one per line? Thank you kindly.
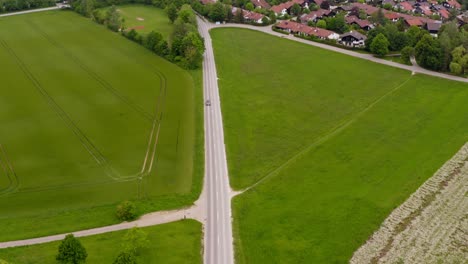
(79, 105)
(144, 19)
(177, 242)
(335, 141)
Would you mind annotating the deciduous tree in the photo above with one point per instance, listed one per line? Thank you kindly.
(71, 251)
(379, 45)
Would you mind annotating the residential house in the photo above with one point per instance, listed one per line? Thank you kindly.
(462, 19)
(353, 39)
(316, 15)
(433, 28)
(261, 4)
(452, 4)
(283, 8)
(206, 2)
(249, 16)
(444, 14)
(303, 30)
(394, 17)
(414, 22)
(363, 24)
(367, 8)
(406, 6)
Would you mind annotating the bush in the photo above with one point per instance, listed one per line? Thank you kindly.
(406, 54)
(126, 211)
(71, 251)
(125, 258)
(134, 240)
(455, 68)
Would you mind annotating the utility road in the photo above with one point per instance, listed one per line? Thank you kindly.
(31, 11)
(218, 227)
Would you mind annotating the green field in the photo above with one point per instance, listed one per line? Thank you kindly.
(177, 242)
(145, 19)
(90, 119)
(341, 142)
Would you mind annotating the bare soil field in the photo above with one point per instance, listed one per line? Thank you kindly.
(431, 226)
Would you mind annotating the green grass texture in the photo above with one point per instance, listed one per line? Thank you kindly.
(178, 242)
(78, 106)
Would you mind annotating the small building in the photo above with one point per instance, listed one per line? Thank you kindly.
(433, 28)
(392, 16)
(414, 22)
(362, 24)
(260, 4)
(353, 39)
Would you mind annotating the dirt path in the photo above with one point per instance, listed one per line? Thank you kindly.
(431, 226)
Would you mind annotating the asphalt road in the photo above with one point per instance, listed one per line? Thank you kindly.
(30, 11)
(218, 242)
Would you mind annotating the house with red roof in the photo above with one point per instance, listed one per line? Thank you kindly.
(444, 14)
(260, 4)
(367, 8)
(452, 4)
(406, 6)
(363, 24)
(392, 16)
(206, 2)
(414, 22)
(303, 30)
(249, 16)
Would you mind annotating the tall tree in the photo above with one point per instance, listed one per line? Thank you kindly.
(114, 21)
(134, 240)
(71, 251)
(295, 9)
(171, 11)
(217, 12)
(379, 45)
(428, 53)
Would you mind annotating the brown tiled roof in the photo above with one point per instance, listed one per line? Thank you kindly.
(260, 3)
(205, 2)
(406, 6)
(391, 16)
(353, 19)
(300, 28)
(414, 22)
(444, 13)
(454, 3)
(367, 8)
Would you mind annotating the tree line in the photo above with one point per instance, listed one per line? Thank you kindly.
(18, 5)
(446, 52)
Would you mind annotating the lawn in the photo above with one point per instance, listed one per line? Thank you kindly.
(343, 142)
(144, 19)
(178, 242)
(81, 110)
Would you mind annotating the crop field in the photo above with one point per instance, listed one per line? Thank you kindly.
(333, 144)
(177, 242)
(89, 119)
(431, 226)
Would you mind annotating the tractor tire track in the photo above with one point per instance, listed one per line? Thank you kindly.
(9, 172)
(102, 82)
(85, 141)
